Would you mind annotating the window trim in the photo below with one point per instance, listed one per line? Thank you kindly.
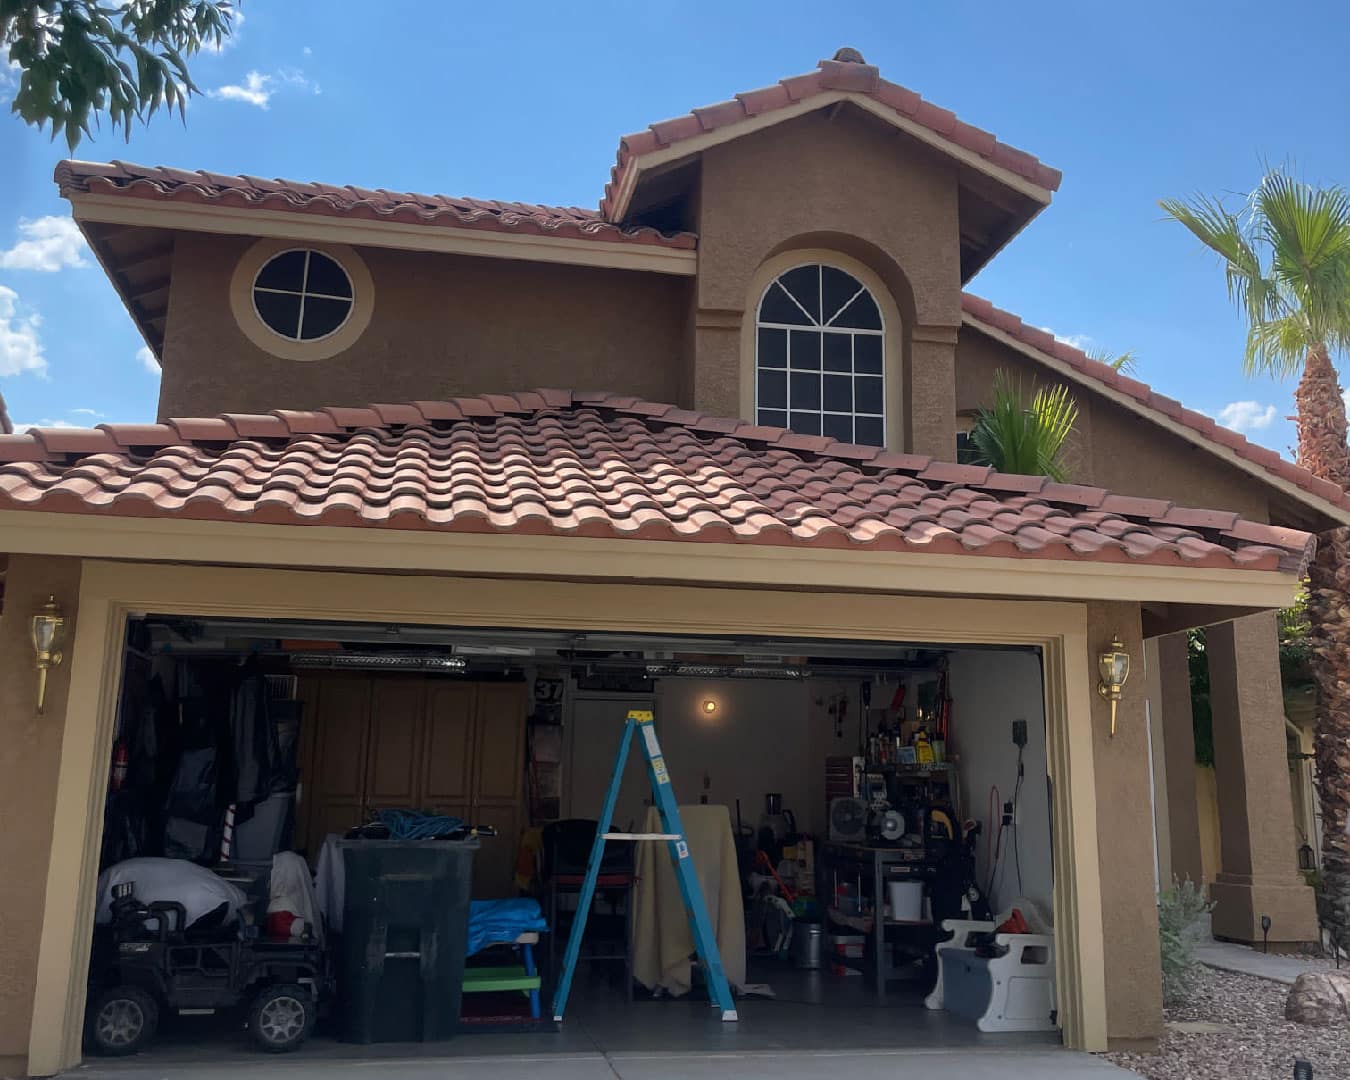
(268, 340)
(891, 333)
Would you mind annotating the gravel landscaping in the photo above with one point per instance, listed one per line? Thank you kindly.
(1252, 1039)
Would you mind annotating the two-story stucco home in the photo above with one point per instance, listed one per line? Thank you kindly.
(697, 447)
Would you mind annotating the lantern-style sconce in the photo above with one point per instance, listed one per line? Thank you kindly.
(1307, 860)
(1113, 669)
(48, 633)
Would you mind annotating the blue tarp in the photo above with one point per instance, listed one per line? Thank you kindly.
(495, 922)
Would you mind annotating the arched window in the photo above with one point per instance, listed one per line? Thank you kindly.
(820, 356)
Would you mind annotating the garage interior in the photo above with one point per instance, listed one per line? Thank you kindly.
(823, 783)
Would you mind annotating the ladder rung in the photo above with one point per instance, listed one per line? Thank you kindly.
(642, 836)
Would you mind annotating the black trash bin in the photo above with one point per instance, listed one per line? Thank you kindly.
(405, 929)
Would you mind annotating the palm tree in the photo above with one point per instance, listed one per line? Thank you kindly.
(1286, 256)
(1015, 437)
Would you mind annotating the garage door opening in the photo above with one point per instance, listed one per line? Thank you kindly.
(844, 798)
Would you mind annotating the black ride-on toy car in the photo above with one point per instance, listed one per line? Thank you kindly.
(144, 963)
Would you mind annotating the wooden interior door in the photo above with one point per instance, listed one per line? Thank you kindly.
(393, 777)
(498, 784)
(334, 781)
(448, 748)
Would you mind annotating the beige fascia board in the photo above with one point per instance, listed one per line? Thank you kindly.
(698, 143)
(401, 235)
(1177, 428)
(581, 558)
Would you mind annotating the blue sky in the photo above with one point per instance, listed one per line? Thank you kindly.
(527, 102)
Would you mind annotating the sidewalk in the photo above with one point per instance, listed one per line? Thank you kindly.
(1248, 961)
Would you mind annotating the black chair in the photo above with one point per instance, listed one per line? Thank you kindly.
(609, 934)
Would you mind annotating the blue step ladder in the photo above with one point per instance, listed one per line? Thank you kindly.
(641, 721)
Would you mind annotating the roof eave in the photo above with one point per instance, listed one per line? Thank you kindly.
(106, 536)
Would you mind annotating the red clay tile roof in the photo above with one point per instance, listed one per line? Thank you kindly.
(831, 75)
(555, 462)
(983, 311)
(251, 192)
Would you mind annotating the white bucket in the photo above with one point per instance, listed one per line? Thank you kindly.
(906, 900)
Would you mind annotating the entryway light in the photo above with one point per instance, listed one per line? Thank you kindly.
(1307, 860)
(1113, 666)
(709, 706)
(48, 632)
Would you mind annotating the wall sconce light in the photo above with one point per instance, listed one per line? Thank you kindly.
(1307, 860)
(48, 633)
(709, 707)
(1113, 668)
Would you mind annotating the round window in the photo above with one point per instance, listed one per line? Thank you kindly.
(302, 295)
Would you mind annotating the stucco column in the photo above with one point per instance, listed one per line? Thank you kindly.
(1125, 838)
(931, 392)
(717, 376)
(1174, 719)
(30, 755)
(1251, 765)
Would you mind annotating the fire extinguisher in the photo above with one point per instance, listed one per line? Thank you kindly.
(119, 766)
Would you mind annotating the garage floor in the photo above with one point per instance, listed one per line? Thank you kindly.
(813, 1017)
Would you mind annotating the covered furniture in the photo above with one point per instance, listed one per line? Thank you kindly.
(662, 940)
(516, 923)
(1013, 990)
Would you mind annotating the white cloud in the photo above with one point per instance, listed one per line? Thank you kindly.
(254, 90)
(1247, 416)
(1078, 341)
(85, 412)
(48, 244)
(147, 360)
(258, 88)
(20, 345)
(20, 428)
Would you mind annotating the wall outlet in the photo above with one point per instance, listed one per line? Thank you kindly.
(1019, 733)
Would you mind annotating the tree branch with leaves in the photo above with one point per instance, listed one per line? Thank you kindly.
(81, 60)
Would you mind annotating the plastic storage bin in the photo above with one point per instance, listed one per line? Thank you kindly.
(405, 932)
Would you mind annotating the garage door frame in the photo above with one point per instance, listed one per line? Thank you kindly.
(110, 592)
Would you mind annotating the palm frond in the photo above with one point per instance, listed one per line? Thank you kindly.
(1222, 232)
(1287, 264)
(1015, 437)
(1308, 232)
(1127, 363)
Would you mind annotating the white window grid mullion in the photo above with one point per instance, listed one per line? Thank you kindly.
(843, 307)
(304, 284)
(818, 328)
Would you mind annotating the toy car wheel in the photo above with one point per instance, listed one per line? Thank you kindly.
(282, 1017)
(122, 1020)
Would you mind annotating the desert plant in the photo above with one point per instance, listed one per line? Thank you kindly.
(1178, 909)
(1016, 437)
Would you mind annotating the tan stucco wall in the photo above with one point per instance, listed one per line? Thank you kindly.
(839, 181)
(1258, 851)
(1114, 448)
(1125, 840)
(30, 753)
(442, 325)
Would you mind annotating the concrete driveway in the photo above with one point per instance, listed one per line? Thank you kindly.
(1029, 1064)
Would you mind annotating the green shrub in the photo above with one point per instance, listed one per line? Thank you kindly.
(1178, 909)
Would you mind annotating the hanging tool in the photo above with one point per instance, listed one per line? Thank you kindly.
(642, 722)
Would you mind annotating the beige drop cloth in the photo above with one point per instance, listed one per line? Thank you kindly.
(663, 940)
